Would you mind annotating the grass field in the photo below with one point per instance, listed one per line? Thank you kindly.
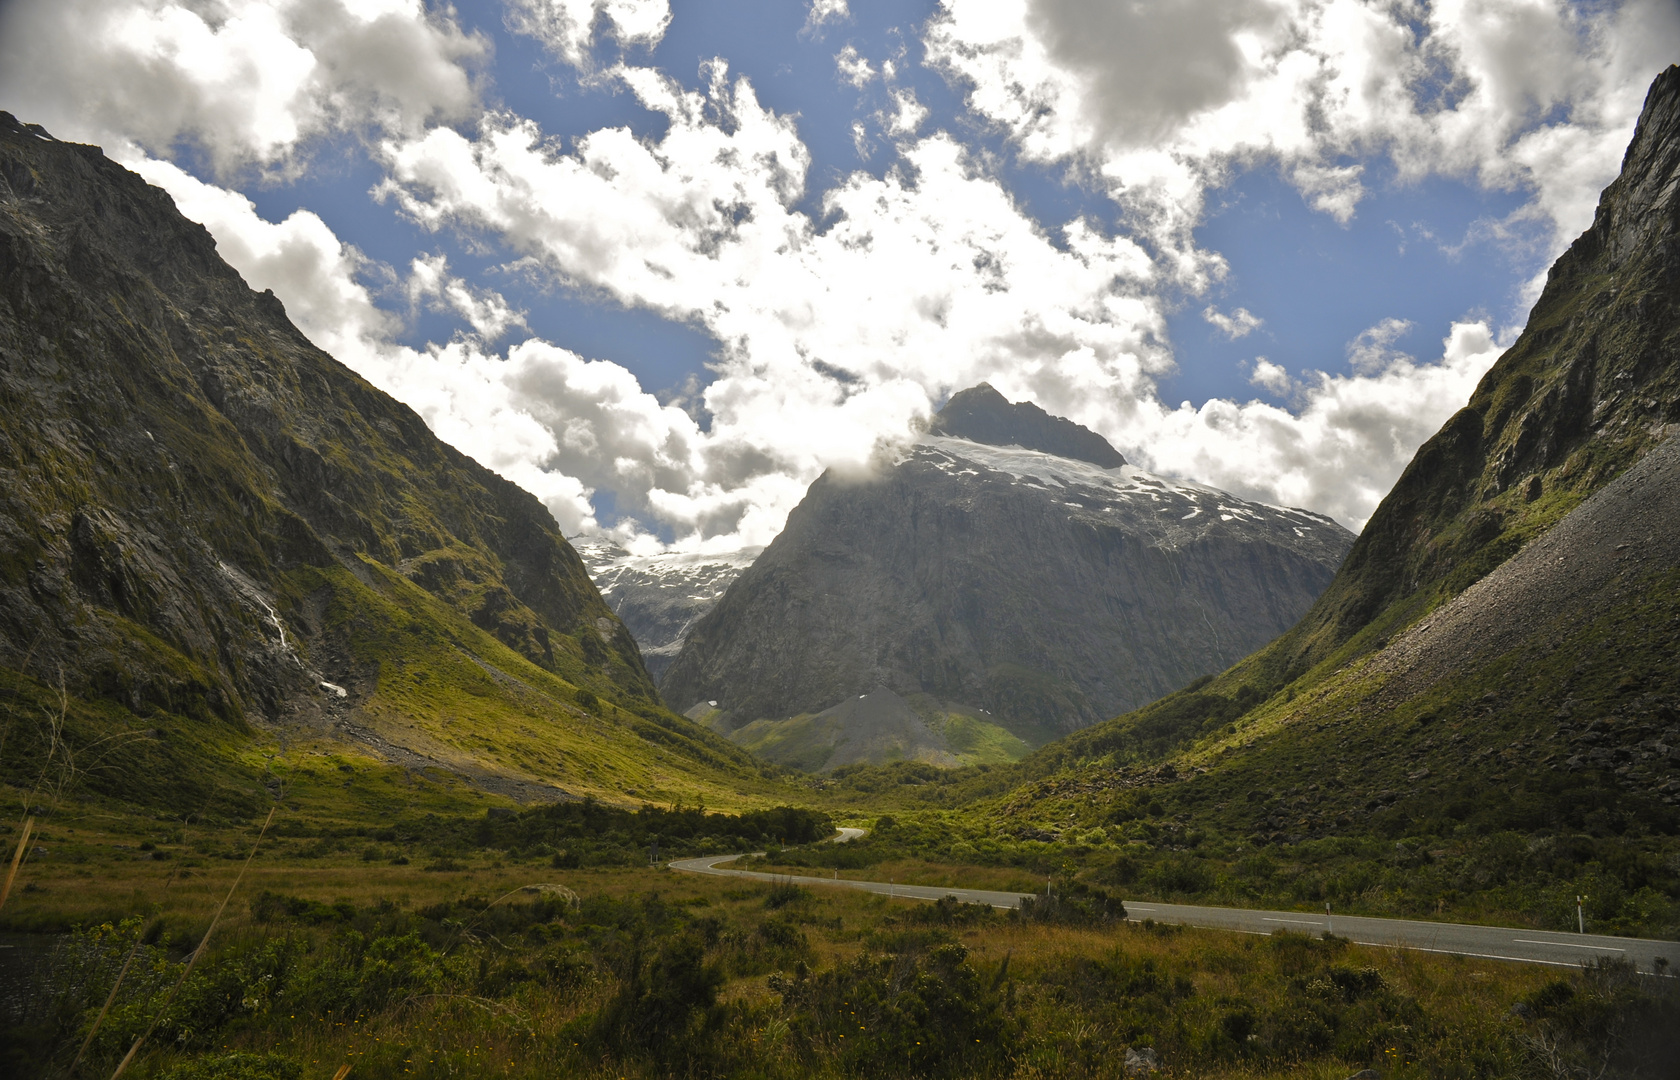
(485, 962)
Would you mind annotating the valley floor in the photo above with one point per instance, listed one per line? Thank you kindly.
(434, 957)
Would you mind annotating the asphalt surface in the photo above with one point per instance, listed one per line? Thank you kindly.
(1483, 942)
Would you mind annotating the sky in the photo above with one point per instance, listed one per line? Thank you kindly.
(662, 263)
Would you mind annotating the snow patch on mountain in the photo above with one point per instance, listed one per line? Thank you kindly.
(1110, 488)
(660, 596)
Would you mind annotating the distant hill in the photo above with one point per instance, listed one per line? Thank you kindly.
(1492, 674)
(213, 533)
(1010, 579)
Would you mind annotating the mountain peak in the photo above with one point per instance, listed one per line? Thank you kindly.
(981, 414)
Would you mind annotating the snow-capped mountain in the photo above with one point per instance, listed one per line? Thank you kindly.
(1090, 488)
(1011, 567)
(658, 597)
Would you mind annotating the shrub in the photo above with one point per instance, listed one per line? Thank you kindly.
(665, 1010)
(914, 1013)
(783, 893)
(237, 1066)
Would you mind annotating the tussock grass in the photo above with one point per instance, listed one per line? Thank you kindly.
(536, 983)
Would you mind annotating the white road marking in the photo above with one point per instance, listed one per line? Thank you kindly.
(1566, 945)
(1296, 922)
(1460, 952)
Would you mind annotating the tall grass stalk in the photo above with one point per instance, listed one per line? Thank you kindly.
(17, 859)
(133, 950)
(198, 952)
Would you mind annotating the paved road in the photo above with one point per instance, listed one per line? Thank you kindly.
(1485, 942)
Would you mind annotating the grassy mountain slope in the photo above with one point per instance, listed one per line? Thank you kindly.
(212, 531)
(1590, 386)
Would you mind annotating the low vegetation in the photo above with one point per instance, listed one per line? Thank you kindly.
(526, 971)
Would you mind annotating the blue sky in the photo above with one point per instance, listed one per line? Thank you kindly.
(665, 300)
(1316, 282)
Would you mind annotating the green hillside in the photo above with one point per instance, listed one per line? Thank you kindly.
(232, 571)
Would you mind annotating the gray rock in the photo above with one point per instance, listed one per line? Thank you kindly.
(1047, 591)
(981, 414)
(1141, 1062)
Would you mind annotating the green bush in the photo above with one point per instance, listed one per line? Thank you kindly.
(236, 1066)
(665, 1009)
(915, 1013)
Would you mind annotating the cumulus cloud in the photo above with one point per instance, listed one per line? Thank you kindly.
(248, 81)
(853, 67)
(564, 426)
(485, 310)
(861, 141)
(1344, 446)
(838, 327)
(921, 281)
(1160, 101)
(907, 114)
(823, 12)
(569, 28)
(1273, 377)
(1373, 350)
(471, 398)
(308, 267)
(1240, 323)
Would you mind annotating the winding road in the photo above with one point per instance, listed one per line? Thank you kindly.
(1482, 942)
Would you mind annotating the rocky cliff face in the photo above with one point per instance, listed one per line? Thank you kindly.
(1048, 591)
(1590, 385)
(175, 455)
(981, 414)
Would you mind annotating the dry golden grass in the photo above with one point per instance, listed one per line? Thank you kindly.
(93, 871)
(523, 1033)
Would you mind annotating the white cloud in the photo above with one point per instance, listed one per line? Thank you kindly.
(853, 67)
(1160, 101)
(309, 269)
(470, 398)
(1240, 323)
(1340, 451)
(569, 28)
(1372, 351)
(837, 330)
(486, 311)
(248, 80)
(907, 115)
(860, 140)
(823, 12)
(924, 280)
(1272, 377)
